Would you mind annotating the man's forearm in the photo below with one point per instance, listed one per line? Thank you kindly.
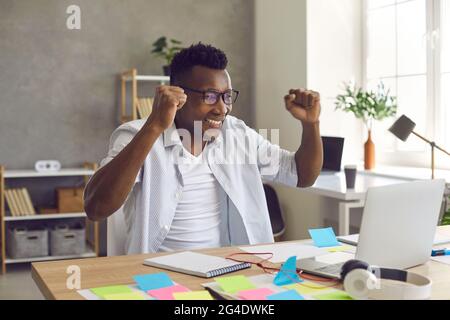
(109, 187)
(309, 156)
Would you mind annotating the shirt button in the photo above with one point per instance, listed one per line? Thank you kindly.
(178, 195)
(166, 228)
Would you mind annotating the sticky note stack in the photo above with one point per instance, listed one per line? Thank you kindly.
(255, 294)
(161, 287)
(150, 286)
(318, 292)
(233, 284)
(324, 238)
(242, 288)
(118, 293)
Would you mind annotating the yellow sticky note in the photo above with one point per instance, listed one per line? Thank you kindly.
(109, 290)
(125, 296)
(339, 249)
(307, 288)
(193, 295)
(233, 284)
(333, 295)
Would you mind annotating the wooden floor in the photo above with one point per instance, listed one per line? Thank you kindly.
(17, 284)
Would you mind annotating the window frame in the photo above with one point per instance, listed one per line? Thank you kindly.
(435, 122)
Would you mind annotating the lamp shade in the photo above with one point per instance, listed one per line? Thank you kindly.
(402, 128)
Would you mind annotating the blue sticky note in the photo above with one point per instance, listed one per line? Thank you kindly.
(286, 295)
(324, 237)
(153, 281)
(288, 273)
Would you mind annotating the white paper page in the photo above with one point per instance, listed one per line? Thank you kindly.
(353, 239)
(335, 257)
(442, 259)
(441, 239)
(89, 295)
(281, 252)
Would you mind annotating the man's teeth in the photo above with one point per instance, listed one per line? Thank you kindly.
(212, 122)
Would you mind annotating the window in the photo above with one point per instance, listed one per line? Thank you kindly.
(407, 46)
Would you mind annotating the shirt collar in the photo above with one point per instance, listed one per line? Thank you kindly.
(171, 136)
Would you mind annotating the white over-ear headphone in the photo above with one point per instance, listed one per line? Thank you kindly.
(362, 281)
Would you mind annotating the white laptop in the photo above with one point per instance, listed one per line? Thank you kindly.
(397, 230)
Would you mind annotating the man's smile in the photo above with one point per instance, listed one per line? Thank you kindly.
(214, 123)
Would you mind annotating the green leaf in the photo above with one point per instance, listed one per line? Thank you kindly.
(166, 49)
(367, 105)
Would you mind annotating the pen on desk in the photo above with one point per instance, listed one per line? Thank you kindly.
(440, 252)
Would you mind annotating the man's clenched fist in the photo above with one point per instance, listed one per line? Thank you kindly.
(303, 104)
(168, 99)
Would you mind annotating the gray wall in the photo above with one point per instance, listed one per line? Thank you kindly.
(313, 44)
(59, 88)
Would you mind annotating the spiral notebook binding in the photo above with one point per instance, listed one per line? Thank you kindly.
(221, 271)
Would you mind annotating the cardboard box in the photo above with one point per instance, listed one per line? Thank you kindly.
(48, 211)
(70, 200)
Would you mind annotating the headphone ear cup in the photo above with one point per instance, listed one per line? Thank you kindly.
(352, 265)
(359, 282)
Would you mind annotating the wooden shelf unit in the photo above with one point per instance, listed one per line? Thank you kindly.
(92, 249)
(133, 77)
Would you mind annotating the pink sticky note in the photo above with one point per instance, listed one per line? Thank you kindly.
(167, 292)
(255, 294)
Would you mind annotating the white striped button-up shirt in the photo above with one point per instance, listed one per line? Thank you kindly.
(239, 158)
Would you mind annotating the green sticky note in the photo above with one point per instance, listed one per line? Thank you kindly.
(307, 288)
(103, 291)
(192, 295)
(234, 284)
(333, 295)
(125, 296)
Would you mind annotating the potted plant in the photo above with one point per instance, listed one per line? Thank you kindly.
(166, 49)
(368, 106)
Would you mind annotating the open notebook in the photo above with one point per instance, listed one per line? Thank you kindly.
(196, 264)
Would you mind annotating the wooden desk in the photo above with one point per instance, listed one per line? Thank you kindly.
(51, 277)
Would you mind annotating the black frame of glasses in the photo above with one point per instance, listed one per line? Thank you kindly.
(221, 94)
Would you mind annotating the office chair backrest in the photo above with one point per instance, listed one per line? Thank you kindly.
(275, 212)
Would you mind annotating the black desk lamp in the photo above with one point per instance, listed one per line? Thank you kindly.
(403, 127)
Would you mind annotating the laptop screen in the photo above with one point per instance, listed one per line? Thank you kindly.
(332, 153)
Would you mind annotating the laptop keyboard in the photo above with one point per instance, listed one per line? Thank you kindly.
(332, 268)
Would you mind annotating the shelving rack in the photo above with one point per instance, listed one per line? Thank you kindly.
(92, 248)
(133, 77)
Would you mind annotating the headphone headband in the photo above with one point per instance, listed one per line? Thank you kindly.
(361, 280)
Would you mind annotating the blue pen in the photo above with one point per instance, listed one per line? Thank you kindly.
(440, 252)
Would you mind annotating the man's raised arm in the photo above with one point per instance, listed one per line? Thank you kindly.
(109, 187)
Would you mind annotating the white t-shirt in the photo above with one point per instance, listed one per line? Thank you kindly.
(151, 205)
(196, 223)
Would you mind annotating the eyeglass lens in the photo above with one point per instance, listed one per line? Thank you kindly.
(228, 97)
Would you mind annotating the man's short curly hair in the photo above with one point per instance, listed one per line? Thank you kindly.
(197, 55)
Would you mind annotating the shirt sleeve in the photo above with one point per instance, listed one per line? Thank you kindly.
(120, 138)
(275, 163)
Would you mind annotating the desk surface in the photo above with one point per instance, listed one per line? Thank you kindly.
(333, 185)
(51, 276)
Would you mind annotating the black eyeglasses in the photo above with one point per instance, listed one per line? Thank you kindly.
(212, 97)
